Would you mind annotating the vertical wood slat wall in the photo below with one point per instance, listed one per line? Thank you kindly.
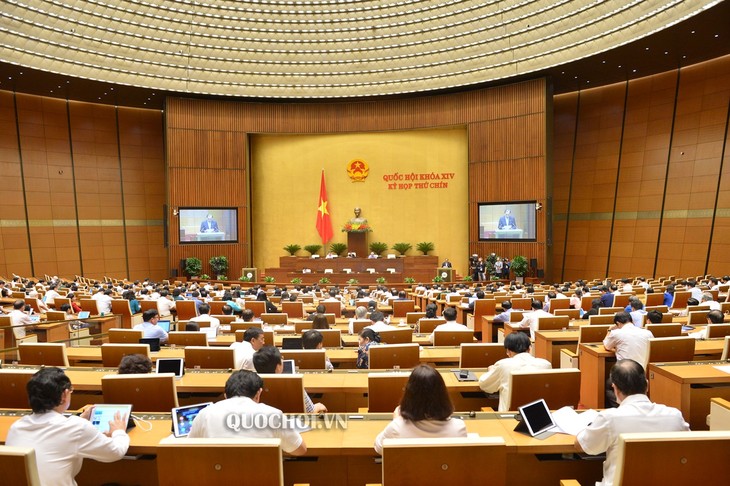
(83, 189)
(641, 176)
(507, 153)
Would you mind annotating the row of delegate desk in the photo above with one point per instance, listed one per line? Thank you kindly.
(344, 455)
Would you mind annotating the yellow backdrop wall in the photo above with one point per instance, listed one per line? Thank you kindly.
(285, 176)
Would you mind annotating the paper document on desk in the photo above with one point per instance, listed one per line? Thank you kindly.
(568, 421)
(724, 369)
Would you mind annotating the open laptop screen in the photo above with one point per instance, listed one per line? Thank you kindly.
(165, 325)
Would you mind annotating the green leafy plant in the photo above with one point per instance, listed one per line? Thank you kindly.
(313, 249)
(324, 280)
(437, 279)
(519, 266)
(409, 280)
(269, 279)
(489, 262)
(292, 249)
(221, 277)
(219, 265)
(338, 248)
(425, 247)
(353, 281)
(378, 247)
(296, 280)
(468, 278)
(402, 248)
(193, 266)
(205, 276)
(380, 280)
(244, 278)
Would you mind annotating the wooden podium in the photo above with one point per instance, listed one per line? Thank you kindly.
(446, 273)
(357, 242)
(251, 273)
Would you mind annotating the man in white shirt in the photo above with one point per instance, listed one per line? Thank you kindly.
(627, 340)
(205, 317)
(253, 340)
(379, 324)
(150, 328)
(497, 377)
(51, 295)
(695, 292)
(61, 443)
(165, 304)
(708, 301)
(103, 300)
(19, 319)
(530, 319)
(232, 417)
(450, 325)
(636, 413)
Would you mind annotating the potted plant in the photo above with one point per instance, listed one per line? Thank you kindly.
(296, 280)
(409, 280)
(402, 248)
(193, 267)
(425, 247)
(338, 248)
(519, 266)
(244, 278)
(205, 276)
(353, 281)
(380, 280)
(313, 249)
(219, 266)
(468, 278)
(378, 247)
(292, 249)
(437, 279)
(489, 262)
(269, 279)
(324, 280)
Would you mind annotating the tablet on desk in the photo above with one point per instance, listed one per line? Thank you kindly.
(170, 365)
(536, 420)
(84, 314)
(182, 418)
(104, 413)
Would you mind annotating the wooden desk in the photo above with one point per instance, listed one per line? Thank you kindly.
(51, 332)
(345, 456)
(549, 343)
(595, 363)
(689, 387)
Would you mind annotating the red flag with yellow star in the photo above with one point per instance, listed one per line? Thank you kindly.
(324, 222)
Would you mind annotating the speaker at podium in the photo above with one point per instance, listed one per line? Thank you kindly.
(446, 273)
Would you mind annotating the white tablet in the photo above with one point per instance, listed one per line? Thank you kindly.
(102, 414)
(289, 367)
(171, 365)
(537, 417)
(182, 418)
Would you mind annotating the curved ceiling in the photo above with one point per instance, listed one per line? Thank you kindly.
(321, 49)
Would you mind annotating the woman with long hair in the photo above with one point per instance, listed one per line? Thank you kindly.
(424, 411)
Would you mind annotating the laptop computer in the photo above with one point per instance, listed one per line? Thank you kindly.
(536, 420)
(170, 365)
(291, 343)
(182, 418)
(165, 325)
(84, 314)
(153, 342)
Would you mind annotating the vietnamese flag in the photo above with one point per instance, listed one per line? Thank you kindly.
(324, 222)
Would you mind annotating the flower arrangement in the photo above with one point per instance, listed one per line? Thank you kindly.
(356, 227)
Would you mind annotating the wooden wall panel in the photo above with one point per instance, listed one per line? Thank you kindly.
(67, 193)
(507, 141)
(672, 204)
